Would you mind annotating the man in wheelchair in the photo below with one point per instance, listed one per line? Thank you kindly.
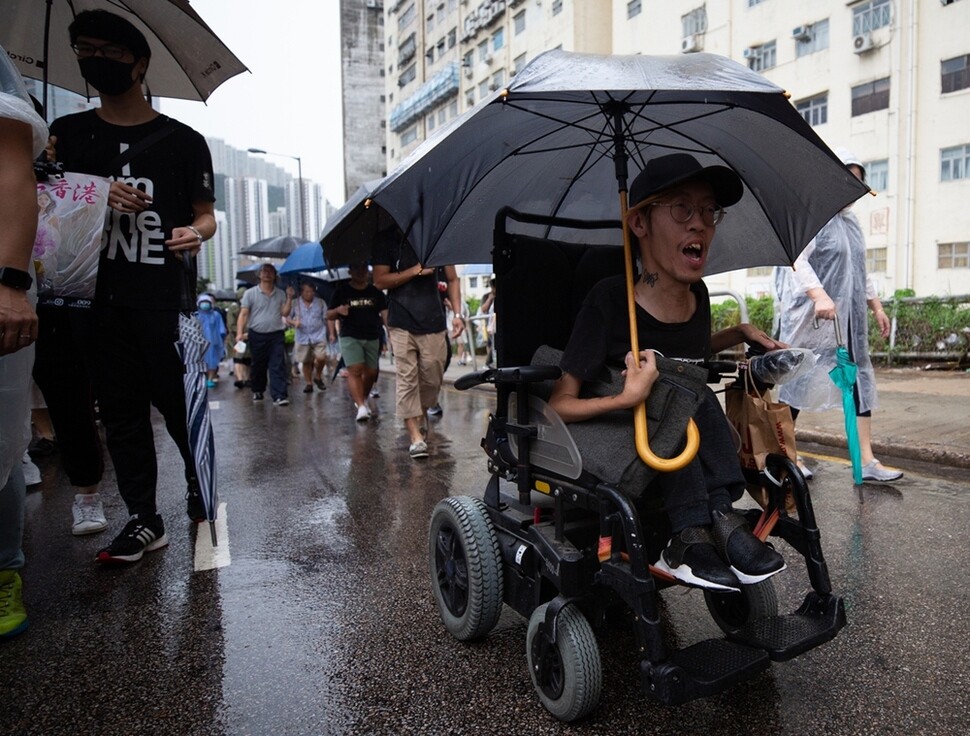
(675, 207)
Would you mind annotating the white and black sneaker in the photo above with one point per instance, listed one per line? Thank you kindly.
(138, 537)
(690, 556)
(750, 559)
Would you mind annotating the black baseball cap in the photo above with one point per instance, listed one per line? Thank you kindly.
(666, 171)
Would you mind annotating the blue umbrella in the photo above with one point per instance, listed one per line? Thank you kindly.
(305, 258)
(191, 346)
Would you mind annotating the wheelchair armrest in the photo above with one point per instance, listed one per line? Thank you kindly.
(513, 374)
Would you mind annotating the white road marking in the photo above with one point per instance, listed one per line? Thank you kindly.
(208, 557)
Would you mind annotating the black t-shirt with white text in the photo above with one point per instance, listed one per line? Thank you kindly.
(601, 332)
(136, 269)
(363, 321)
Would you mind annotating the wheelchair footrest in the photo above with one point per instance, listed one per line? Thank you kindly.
(700, 670)
(783, 637)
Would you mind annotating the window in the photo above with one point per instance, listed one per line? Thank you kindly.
(483, 89)
(815, 110)
(498, 79)
(410, 135)
(429, 24)
(483, 50)
(408, 75)
(470, 98)
(876, 260)
(955, 163)
(762, 57)
(953, 255)
(870, 97)
(877, 175)
(955, 73)
(473, 282)
(430, 122)
(498, 39)
(816, 39)
(441, 47)
(556, 7)
(870, 15)
(453, 110)
(442, 116)
(468, 59)
(633, 9)
(518, 63)
(694, 22)
(452, 38)
(430, 54)
(406, 18)
(519, 23)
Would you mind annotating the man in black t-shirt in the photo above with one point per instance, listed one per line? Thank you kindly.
(676, 205)
(416, 328)
(160, 212)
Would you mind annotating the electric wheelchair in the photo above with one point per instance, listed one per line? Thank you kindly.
(562, 546)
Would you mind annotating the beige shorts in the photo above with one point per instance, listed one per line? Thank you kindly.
(301, 353)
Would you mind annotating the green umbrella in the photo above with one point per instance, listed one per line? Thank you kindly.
(844, 376)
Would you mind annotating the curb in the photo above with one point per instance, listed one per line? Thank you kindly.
(923, 453)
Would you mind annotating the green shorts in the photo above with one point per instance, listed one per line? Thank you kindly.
(356, 351)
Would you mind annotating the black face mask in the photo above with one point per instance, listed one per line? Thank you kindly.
(107, 75)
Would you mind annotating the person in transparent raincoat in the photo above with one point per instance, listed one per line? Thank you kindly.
(829, 281)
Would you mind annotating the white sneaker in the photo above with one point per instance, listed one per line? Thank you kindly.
(31, 471)
(88, 514)
(363, 413)
(878, 472)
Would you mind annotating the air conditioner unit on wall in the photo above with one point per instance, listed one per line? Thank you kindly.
(862, 43)
(469, 72)
(752, 52)
(690, 43)
(489, 58)
(801, 33)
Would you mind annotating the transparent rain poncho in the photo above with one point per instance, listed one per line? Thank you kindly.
(15, 367)
(836, 261)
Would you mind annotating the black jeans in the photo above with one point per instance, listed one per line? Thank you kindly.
(712, 480)
(268, 351)
(139, 367)
(64, 369)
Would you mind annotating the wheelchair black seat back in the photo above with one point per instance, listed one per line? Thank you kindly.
(564, 548)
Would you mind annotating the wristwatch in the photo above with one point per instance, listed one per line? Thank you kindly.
(15, 278)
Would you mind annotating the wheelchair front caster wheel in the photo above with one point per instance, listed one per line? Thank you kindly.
(567, 674)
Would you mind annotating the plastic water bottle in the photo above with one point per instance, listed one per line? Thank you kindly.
(781, 366)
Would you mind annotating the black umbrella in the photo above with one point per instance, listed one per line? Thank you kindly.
(278, 247)
(561, 138)
(188, 60)
(349, 233)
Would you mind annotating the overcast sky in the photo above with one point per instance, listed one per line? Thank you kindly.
(290, 101)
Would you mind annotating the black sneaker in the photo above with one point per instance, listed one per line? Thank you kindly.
(308, 389)
(137, 538)
(690, 556)
(193, 501)
(320, 384)
(435, 411)
(42, 447)
(257, 396)
(750, 559)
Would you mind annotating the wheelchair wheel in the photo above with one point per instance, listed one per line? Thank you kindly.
(568, 675)
(466, 567)
(731, 611)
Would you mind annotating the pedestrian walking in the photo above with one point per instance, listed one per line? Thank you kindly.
(214, 330)
(417, 330)
(23, 135)
(161, 206)
(310, 322)
(361, 309)
(262, 312)
(829, 281)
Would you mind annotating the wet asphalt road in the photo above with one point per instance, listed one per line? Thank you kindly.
(324, 623)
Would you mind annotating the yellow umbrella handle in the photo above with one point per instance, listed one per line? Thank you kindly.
(642, 441)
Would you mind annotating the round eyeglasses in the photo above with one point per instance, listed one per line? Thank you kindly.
(682, 212)
(84, 50)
